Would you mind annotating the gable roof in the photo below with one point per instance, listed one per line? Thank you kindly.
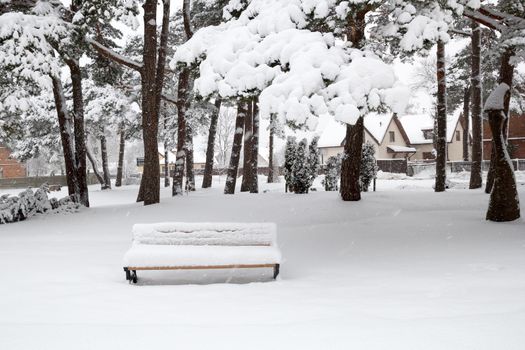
(376, 125)
(414, 124)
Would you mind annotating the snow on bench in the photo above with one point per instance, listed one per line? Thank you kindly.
(185, 246)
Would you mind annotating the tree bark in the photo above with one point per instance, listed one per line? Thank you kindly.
(351, 165)
(476, 180)
(271, 174)
(247, 176)
(231, 178)
(190, 174)
(120, 166)
(64, 122)
(254, 157)
(93, 162)
(182, 92)
(166, 166)
(150, 184)
(504, 203)
(105, 168)
(441, 139)
(80, 137)
(210, 149)
(506, 75)
(466, 118)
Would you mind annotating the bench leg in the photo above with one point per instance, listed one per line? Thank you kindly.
(128, 274)
(275, 271)
(134, 276)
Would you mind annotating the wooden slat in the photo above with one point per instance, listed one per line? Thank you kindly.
(212, 267)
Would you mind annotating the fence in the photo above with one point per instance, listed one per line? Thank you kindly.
(419, 168)
(34, 182)
(392, 165)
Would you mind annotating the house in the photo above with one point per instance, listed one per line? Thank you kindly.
(516, 137)
(383, 131)
(419, 129)
(9, 166)
(393, 137)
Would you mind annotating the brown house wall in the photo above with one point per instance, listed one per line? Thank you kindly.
(10, 168)
(516, 137)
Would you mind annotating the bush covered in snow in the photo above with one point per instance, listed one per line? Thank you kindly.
(301, 164)
(368, 166)
(332, 173)
(29, 203)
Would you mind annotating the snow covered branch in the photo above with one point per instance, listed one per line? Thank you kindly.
(112, 55)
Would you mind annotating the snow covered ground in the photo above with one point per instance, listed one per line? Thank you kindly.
(405, 268)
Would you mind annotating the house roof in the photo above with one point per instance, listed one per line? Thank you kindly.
(334, 132)
(401, 149)
(414, 124)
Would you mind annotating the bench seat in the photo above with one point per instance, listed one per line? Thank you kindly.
(143, 256)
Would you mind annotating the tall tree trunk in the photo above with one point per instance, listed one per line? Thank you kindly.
(80, 137)
(182, 92)
(466, 118)
(120, 166)
(506, 75)
(190, 174)
(247, 150)
(441, 140)
(64, 122)
(93, 162)
(150, 184)
(254, 157)
(351, 165)
(353, 148)
(105, 168)
(231, 178)
(504, 201)
(166, 166)
(271, 174)
(476, 180)
(210, 149)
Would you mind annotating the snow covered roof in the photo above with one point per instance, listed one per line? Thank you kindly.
(332, 135)
(401, 149)
(377, 124)
(334, 132)
(414, 125)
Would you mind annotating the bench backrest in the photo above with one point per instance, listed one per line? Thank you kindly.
(224, 234)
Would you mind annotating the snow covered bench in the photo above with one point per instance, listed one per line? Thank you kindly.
(187, 246)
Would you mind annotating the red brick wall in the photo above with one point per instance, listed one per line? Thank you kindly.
(516, 137)
(10, 168)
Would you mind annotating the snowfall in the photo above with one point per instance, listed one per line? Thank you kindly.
(405, 268)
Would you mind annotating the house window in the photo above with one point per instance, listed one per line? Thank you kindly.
(392, 136)
(458, 135)
(428, 134)
(1, 173)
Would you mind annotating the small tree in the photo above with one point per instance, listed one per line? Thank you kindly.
(333, 172)
(314, 162)
(289, 160)
(300, 168)
(368, 166)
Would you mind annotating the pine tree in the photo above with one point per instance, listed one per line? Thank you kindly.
(332, 173)
(300, 169)
(368, 166)
(289, 160)
(314, 160)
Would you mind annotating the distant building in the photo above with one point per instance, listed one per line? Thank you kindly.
(10, 167)
(516, 137)
(393, 137)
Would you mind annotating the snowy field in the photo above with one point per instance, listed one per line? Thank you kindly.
(405, 268)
